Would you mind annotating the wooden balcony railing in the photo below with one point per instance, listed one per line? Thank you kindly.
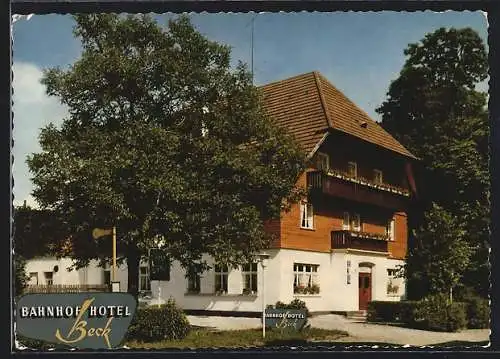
(358, 190)
(359, 240)
(66, 288)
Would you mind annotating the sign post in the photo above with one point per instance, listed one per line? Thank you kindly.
(263, 258)
(98, 233)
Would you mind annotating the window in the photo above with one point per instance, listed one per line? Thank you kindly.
(346, 221)
(221, 274)
(33, 278)
(390, 229)
(356, 222)
(250, 278)
(49, 278)
(193, 280)
(306, 279)
(106, 273)
(322, 162)
(378, 176)
(306, 216)
(144, 282)
(352, 169)
(393, 282)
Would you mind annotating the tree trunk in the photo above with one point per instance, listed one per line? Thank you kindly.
(133, 261)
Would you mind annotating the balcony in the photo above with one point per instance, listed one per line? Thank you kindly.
(338, 184)
(359, 240)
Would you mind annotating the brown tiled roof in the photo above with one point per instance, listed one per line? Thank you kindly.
(308, 106)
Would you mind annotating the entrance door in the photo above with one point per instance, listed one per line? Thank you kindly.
(365, 290)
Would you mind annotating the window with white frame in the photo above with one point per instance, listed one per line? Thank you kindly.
(394, 283)
(306, 215)
(193, 282)
(346, 222)
(249, 272)
(33, 278)
(305, 278)
(322, 161)
(352, 169)
(221, 274)
(355, 222)
(351, 221)
(49, 278)
(378, 176)
(106, 274)
(390, 229)
(144, 281)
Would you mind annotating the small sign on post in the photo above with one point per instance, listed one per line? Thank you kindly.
(292, 319)
(115, 286)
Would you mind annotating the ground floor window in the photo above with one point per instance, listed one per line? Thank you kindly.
(306, 279)
(250, 278)
(193, 282)
(221, 274)
(49, 278)
(393, 282)
(144, 282)
(106, 273)
(33, 278)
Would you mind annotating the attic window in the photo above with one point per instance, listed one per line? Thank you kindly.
(364, 124)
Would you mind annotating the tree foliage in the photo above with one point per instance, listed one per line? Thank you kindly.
(164, 140)
(435, 110)
(441, 254)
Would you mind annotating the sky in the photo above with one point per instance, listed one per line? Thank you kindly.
(359, 53)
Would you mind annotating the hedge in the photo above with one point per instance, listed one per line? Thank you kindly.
(380, 311)
(431, 313)
(155, 323)
(478, 313)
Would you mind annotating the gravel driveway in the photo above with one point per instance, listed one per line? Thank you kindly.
(358, 331)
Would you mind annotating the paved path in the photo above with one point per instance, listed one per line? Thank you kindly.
(358, 332)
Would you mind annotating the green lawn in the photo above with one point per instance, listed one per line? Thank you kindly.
(206, 338)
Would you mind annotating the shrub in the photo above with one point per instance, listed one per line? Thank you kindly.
(478, 313)
(380, 311)
(436, 313)
(159, 323)
(383, 311)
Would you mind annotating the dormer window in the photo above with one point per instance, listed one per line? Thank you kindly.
(377, 176)
(352, 169)
(322, 162)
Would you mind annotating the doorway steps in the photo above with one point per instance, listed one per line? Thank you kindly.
(358, 316)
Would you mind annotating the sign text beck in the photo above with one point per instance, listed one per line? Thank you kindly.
(294, 319)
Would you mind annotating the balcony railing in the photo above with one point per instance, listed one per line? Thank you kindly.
(358, 189)
(66, 288)
(359, 240)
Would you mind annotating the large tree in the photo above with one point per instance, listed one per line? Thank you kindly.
(435, 109)
(164, 139)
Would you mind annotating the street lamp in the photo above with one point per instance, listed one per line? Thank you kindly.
(263, 261)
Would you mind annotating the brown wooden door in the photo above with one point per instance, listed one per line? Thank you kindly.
(365, 290)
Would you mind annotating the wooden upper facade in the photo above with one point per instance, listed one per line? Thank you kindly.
(359, 177)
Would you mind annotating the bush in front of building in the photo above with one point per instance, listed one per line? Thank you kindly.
(431, 313)
(154, 323)
(381, 311)
(478, 313)
(435, 312)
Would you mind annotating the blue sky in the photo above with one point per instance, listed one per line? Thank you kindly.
(360, 53)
